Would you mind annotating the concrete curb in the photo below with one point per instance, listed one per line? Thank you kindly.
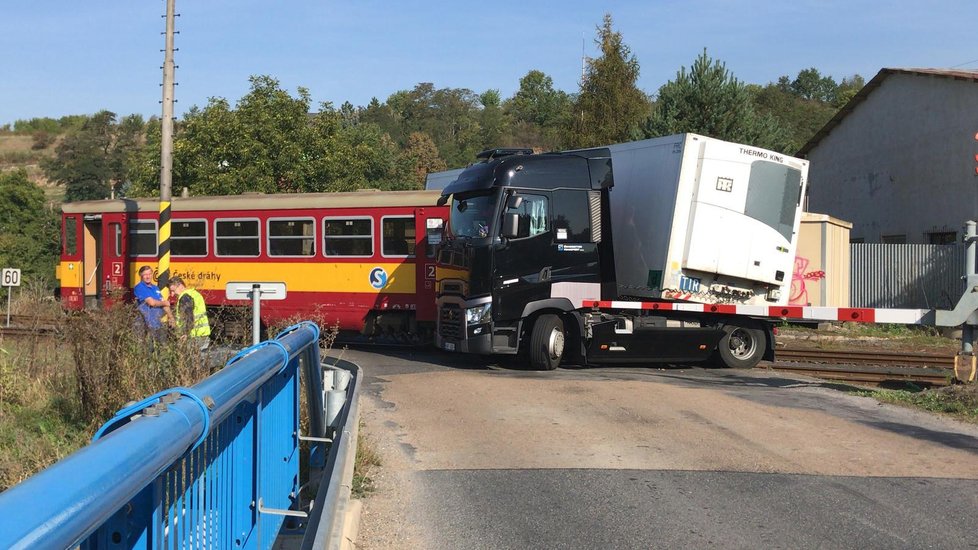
(351, 525)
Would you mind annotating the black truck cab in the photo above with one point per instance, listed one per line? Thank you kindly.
(521, 226)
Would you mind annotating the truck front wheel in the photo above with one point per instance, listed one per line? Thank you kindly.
(741, 347)
(547, 342)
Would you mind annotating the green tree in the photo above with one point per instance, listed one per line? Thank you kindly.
(798, 118)
(85, 161)
(849, 87)
(810, 84)
(492, 120)
(611, 106)
(421, 156)
(29, 236)
(707, 99)
(539, 112)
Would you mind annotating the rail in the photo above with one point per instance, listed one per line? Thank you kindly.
(213, 465)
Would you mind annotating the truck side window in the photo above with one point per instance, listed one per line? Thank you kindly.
(572, 218)
(533, 213)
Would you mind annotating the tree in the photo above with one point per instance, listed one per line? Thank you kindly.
(611, 107)
(492, 120)
(421, 156)
(798, 118)
(849, 87)
(709, 100)
(810, 84)
(84, 162)
(539, 112)
(29, 236)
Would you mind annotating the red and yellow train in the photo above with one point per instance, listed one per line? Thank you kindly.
(360, 260)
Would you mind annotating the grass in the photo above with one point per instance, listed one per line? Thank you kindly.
(367, 459)
(958, 401)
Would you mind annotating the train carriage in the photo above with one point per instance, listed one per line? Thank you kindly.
(360, 260)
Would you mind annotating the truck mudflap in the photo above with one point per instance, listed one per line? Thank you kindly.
(609, 343)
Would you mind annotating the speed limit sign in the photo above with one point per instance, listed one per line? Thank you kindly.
(10, 277)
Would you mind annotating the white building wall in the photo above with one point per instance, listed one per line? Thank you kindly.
(903, 161)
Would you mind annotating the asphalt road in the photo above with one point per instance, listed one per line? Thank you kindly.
(481, 455)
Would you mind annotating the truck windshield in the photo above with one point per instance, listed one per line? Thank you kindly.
(472, 215)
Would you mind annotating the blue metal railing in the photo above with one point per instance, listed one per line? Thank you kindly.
(215, 465)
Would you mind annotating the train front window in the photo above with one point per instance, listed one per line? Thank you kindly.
(142, 238)
(291, 237)
(237, 237)
(189, 238)
(472, 216)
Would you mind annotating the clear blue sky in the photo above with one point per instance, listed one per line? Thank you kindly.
(65, 57)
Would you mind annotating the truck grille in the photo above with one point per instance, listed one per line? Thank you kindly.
(450, 322)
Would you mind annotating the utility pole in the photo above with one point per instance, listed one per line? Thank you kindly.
(166, 153)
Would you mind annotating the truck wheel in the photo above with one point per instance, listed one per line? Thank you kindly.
(741, 347)
(547, 342)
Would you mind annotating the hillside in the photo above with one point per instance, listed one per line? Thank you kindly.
(17, 151)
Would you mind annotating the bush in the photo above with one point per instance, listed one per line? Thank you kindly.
(42, 140)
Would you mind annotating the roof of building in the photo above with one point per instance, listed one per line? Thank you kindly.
(868, 89)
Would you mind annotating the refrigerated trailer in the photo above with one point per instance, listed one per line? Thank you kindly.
(674, 249)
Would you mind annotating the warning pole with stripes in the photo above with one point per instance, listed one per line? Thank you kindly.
(166, 153)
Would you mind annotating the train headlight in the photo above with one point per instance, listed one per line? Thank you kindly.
(478, 315)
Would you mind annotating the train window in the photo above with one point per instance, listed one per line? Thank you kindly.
(189, 238)
(116, 231)
(142, 238)
(348, 236)
(398, 236)
(71, 236)
(237, 237)
(291, 237)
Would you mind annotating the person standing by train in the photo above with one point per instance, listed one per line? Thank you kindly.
(150, 303)
(190, 316)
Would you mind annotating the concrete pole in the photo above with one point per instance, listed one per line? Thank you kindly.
(166, 153)
(255, 314)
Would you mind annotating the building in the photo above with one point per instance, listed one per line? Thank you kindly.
(899, 160)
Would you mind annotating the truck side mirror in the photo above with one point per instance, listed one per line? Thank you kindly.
(511, 225)
(514, 202)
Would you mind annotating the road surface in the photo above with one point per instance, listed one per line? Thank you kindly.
(481, 455)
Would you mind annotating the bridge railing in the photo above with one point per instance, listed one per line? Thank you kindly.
(214, 465)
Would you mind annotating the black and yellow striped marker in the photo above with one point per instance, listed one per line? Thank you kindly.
(163, 269)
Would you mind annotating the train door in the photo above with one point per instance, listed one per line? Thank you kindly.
(428, 231)
(91, 259)
(115, 257)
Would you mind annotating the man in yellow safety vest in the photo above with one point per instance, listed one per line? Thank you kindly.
(190, 314)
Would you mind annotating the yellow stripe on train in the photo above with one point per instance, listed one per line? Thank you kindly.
(396, 278)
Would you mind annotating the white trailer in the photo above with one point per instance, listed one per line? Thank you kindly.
(698, 219)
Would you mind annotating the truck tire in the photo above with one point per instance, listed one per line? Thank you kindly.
(741, 347)
(547, 342)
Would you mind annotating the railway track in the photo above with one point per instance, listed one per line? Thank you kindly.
(867, 367)
(27, 325)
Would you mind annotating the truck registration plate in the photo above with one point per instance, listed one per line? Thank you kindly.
(449, 346)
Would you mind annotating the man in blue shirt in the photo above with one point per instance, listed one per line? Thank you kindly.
(150, 301)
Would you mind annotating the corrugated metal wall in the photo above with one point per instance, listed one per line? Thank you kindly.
(906, 275)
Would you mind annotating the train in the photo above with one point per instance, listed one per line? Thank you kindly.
(360, 261)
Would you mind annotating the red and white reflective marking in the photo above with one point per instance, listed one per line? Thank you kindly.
(853, 314)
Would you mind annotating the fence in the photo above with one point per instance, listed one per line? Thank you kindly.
(215, 465)
(914, 276)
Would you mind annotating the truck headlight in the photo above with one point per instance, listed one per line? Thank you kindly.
(478, 315)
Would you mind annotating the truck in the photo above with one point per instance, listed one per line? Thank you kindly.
(544, 255)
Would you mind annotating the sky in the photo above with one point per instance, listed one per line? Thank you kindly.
(64, 57)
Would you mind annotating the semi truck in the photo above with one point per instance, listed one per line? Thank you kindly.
(546, 255)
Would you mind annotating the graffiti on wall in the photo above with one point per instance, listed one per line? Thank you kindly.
(799, 279)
